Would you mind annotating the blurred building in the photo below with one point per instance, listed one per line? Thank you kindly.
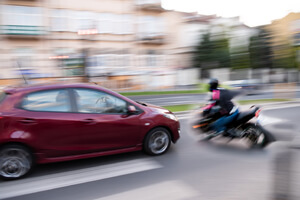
(50, 38)
(194, 26)
(124, 42)
(285, 43)
(285, 34)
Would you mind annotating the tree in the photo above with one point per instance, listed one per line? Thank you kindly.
(260, 50)
(240, 58)
(212, 53)
(285, 56)
(204, 52)
(221, 52)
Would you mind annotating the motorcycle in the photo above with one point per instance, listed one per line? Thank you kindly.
(240, 128)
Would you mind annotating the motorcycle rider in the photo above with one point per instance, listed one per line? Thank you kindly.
(229, 112)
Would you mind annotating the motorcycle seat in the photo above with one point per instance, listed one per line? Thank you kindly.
(245, 113)
(244, 116)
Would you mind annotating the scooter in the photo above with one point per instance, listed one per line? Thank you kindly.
(240, 128)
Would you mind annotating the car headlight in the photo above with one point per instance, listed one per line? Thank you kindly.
(171, 116)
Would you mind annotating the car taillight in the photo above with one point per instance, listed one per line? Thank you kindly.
(257, 113)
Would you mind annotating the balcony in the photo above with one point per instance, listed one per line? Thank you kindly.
(149, 5)
(152, 39)
(22, 30)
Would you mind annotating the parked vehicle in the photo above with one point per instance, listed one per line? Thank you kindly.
(248, 87)
(53, 123)
(240, 128)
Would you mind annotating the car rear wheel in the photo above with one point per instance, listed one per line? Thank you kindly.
(157, 141)
(15, 161)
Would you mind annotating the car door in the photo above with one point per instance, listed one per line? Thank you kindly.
(103, 122)
(48, 117)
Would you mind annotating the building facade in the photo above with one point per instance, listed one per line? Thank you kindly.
(50, 38)
(285, 39)
(127, 42)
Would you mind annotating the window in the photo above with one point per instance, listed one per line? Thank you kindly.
(72, 21)
(104, 23)
(126, 24)
(85, 20)
(69, 20)
(123, 24)
(150, 26)
(51, 101)
(151, 58)
(22, 16)
(59, 20)
(92, 101)
(115, 23)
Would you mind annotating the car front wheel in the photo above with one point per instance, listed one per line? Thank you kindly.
(15, 161)
(157, 141)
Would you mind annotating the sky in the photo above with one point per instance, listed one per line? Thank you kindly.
(251, 12)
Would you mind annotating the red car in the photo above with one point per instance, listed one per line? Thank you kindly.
(53, 123)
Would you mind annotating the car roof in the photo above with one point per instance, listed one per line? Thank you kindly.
(38, 87)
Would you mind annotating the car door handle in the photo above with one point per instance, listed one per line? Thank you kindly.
(27, 121)
(89, 121)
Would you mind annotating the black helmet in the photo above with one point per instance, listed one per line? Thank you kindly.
(213, 84)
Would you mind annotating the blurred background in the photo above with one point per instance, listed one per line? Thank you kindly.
(150, 45)
(141, 45)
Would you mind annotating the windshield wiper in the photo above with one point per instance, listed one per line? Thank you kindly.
(141, 103)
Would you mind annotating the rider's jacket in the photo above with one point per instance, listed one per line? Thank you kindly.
(223, 97)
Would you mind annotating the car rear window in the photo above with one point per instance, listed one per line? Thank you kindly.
(47, 101)
(2, 95)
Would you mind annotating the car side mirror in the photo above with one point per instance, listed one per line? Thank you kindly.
(131, 110)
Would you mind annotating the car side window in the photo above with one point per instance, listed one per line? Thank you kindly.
(50, 101)
(93, 101)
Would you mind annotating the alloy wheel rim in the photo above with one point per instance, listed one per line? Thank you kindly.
(14, 163)
(159, 142)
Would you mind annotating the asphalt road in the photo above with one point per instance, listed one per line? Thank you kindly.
(213, 170)
(164, 100)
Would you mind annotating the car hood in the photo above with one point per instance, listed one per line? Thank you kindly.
(156, 109)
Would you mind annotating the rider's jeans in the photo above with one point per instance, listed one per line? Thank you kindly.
(220, 124)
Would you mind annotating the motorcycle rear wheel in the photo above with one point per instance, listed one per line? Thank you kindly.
(257, 137)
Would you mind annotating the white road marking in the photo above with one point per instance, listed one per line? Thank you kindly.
(180, 117)
(174, 190)
(273, 107)
(59, 180)
(265, 120)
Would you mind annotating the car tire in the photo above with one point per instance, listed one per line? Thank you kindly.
(157, 141)
(15, 161)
